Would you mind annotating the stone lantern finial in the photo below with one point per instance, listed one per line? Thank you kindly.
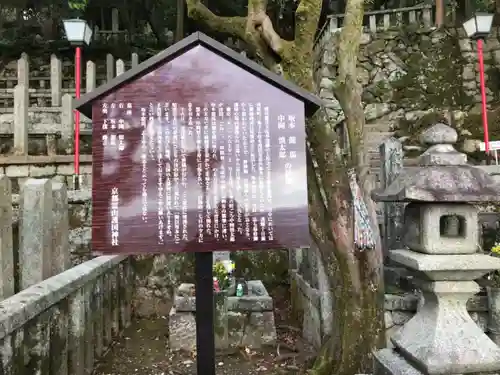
(441, 139)
(439, 134)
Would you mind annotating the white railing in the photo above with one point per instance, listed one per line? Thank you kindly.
(383, 20)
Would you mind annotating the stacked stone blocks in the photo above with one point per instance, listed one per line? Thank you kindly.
(239, 321)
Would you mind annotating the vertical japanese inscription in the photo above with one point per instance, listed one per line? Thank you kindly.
(160, 175)
(207, 169)
(176, 172)
(168, 171)
(144, 165)
(199, 173)
(268, 163)
(214, 173)
(183, 178)
(231, 169)
(115, 204)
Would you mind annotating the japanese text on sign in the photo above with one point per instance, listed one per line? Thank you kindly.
(223, 151)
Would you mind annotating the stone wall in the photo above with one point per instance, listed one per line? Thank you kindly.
(55, 317)
(64, 324)
(311, 307)
(80, 214)
(310, 291)
(413, 76)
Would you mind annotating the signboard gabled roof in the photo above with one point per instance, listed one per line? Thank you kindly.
(311, 102)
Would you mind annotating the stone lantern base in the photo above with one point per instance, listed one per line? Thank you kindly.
(441, 338)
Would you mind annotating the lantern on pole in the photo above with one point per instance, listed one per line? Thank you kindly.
(478, 28)
(78, 34)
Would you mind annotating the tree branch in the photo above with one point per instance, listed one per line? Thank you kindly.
(347, 89)
(260, 26)
(306, 22)
(263, 24)
(231, 25)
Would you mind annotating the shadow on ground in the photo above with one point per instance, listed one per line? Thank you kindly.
(143, 350)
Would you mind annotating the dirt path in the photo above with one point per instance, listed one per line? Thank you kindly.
(143, 350)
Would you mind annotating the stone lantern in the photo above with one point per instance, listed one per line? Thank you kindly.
(441, 240)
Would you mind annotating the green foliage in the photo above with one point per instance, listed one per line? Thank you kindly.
(269, 266)
(79, 5)
(220, 273)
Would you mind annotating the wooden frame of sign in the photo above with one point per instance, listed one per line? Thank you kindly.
(198, 149)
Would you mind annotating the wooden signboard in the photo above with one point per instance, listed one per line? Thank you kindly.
(198, 149)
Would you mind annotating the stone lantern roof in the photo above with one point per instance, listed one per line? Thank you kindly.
(442, 175)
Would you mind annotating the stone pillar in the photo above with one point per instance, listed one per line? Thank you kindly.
(219, 256)
(76, 336)
(55, 80)
(6, 244)
(35, 232)
(67, 125)
(221, 320)
(135, 59)
(115, 22)
(441, 230)
(110, 67)
(23, 71)
(90, 80)
(61, 260)
(59, 340)
(21, 105)
(96, 34)
(120, 67)
(391, 157)
(89, 327)
(99, 317)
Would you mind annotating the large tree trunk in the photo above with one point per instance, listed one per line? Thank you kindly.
(355, 277)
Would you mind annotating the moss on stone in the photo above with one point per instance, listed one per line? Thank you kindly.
(474, 127)
(413, 129)
(142, 265)
(236, 321)
(220, 321)
(269, 266)
(434, 73)
(297, 305)
(493, 80)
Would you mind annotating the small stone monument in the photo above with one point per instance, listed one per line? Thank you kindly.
(220, 256)
(441, 236)
(246, 320)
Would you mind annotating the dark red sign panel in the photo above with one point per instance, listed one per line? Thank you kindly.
(198, 155)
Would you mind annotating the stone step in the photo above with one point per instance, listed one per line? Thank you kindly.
(373, 153)
(376, 138)
(378, 126)
(385, 134)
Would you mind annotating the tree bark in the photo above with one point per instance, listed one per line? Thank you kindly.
(356, 278)
(179, 29)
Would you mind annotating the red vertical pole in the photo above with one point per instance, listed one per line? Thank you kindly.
(78, 57)
(483, 94)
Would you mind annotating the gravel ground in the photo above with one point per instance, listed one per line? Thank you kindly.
(143, 350)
